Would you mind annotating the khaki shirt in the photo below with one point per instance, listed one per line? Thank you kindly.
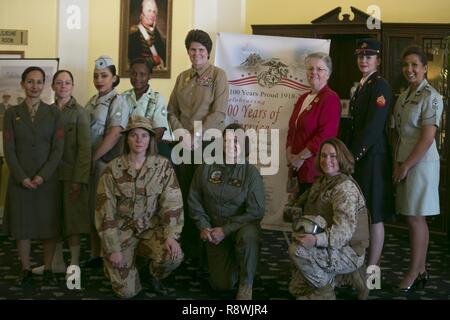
(140, 200)
(421, 108)
(150, 105)
(98, 108)
(227, 196)
(76, 160)
(199, 95)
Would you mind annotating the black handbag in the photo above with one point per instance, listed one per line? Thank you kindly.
(117, 149)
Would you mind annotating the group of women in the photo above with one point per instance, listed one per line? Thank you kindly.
(409, 164)
(64, 184)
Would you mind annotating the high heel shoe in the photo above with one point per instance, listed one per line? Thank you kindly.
(419, 283)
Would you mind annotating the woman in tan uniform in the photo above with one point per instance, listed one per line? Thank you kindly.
(200, 94)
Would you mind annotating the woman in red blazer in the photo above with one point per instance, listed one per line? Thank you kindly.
(315, 118)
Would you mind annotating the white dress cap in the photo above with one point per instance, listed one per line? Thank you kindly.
(103, 62)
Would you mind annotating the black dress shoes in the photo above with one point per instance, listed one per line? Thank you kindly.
(49, 279)
(25, 279)
(419, 283)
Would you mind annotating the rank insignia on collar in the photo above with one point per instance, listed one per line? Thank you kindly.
(17, 118)
(316, 100)
(216, 177)
(381, 102)
(235, 182)
(369, 82)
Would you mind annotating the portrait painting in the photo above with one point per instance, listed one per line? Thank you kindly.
(145, 32)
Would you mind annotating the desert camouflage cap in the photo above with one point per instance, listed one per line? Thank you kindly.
(103, 62)
(139, 122)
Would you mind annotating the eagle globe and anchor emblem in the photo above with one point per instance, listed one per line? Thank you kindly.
(270, 77)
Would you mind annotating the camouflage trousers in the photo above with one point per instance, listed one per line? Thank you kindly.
(236, 257)
(125, 281)
(317, 267)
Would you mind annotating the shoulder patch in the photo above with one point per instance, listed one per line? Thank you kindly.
(381, 102)
(117, 115)
(6, 135)
(434, 103)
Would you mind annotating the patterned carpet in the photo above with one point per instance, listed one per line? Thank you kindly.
(189, 282)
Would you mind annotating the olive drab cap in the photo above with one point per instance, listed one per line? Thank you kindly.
(368, 47)
(139, 122)
(103, 62)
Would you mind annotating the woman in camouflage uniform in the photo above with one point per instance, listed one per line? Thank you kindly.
(139, 208)
(335, 206)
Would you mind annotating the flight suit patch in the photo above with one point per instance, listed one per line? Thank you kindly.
(381, 102)
(235, 182)
(216, 177)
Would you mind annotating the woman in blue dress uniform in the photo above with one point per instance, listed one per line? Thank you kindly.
(370, 107)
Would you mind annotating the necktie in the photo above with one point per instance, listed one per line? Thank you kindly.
(33, 111)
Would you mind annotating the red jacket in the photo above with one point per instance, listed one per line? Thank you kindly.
(314, 126)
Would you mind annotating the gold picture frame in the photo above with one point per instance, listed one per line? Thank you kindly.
(138, 40)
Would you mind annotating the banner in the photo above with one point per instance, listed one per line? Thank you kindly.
(266, 76)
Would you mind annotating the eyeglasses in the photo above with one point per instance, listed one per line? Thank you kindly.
(318, 70)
